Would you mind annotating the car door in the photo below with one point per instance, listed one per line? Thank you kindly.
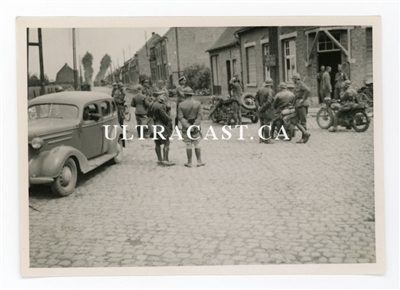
(91, 131)
(107, 109)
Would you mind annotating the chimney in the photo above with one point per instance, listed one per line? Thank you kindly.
(152, 34)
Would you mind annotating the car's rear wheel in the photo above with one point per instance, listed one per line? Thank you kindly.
(65, 182)
(120, 149)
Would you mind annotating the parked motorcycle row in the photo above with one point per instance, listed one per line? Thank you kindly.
(357, 117)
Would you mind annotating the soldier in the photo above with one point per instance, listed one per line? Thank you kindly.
(283, 100)
(119, 97)
(326, 86)
(141, 103)
(162, 91)
(319, 79)
(347, 99)
(264, 99)
(180, 96)
(190, 113)
(115, 87)
(146, 88)
(236, 95)
(290, 86)
(340, 78)
(301, 91)
(160, 117)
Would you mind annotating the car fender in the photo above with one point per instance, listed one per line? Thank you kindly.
(113, 143)
(49, 163)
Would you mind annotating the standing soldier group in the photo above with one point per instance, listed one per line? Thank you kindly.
(153, 107)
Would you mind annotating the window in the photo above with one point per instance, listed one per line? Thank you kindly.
(290, 59)
(114, 109)
(267, 69)
(105, 109)
(214, 63)
(369, 77)
(326, 44)
(234, 67)
(251, 65)
(88, 110)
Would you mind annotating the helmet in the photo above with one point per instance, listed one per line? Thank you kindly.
(120, 84)
(347, 83)
(290, 84)
(283, 85)
(268, 82)
(296, 76)
(182, 79)
(114, 84)
(188, 91)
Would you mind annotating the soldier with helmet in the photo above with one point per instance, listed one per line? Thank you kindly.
(347, 99)
(180, 95)
(146, 88)
(284, 99)
(302, 92)
(264, 100)
(190, 114)
(236, 95)
(114, 88)
(119, 98)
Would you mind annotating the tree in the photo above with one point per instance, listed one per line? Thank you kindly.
(198, 77)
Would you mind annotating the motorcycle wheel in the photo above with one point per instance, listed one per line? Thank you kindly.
(254, 119)
(324, 118)
(245, 104)
(360, 121)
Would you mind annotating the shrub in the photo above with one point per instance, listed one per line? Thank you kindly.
(198, 78)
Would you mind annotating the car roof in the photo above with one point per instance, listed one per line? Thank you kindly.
(78, 98)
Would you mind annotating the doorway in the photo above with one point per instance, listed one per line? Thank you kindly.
(228, 73)
(332, 59)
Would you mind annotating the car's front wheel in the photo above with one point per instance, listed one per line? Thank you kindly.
(65, 182)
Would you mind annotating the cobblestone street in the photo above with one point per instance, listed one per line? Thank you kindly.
(251, 204)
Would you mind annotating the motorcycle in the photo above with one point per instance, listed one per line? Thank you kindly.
(224, 107)
(356, 118)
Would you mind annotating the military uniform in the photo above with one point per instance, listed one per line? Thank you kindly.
(236, 95)
(301, 91)
(141, 103)
(282, 100)
(340, 78)
(119, 97)
(264, 100)
(159, 114)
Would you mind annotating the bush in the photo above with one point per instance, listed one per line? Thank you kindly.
(198, 78)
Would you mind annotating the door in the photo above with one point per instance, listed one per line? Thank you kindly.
(228, 73)
(332, 59)
(91, 131)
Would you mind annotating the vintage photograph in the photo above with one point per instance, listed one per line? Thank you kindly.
(177, 146)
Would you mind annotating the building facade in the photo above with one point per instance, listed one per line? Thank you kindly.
(279, 52)
(180, 48)
(224, 57)
(65, 75)
(142, 64)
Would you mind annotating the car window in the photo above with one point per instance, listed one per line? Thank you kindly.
(105, 109)
(114, 109)
(89, 110)
(60, 111)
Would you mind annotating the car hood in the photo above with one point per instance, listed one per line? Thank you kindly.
(40, 127)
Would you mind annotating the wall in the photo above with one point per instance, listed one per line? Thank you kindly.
(230, 54)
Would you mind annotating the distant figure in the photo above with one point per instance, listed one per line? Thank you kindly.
(141, 103)
(115, 87)
(190, 113)
(146, 88)
(180, 95)
(236, 99)
(340, 78)
(264, 100)
(326, 88)
(290, 86)
(319, 79)
(302, 92)
(347, 99)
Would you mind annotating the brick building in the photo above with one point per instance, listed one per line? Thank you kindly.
(180, 48)
(65, 75)
(142, 64)
(278, 52)
(224, 61)
(305, 49)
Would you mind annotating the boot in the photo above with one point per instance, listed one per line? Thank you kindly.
(198, 156)
(166, 161)
(159, 156)
(189, 157)
(335, 124)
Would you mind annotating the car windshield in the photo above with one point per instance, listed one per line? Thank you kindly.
(60, 111)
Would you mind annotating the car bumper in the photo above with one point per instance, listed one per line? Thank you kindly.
(40, 180)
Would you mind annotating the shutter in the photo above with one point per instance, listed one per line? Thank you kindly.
(369, 55)
(251, 65)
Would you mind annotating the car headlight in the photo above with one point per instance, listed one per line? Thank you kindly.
(37, 142)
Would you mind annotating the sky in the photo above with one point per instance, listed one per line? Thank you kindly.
(57, 46)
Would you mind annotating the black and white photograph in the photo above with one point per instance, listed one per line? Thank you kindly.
(201, 148)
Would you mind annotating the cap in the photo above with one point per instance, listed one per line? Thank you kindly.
(182, 79)
(188, 91)
(114, 84)
(142, 80)
(268, 82)
(290, 84)
(160, 82)
(296, 76)
(283, 85)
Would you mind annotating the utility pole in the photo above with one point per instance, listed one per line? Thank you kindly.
(80, 72)
(177, 52)
(74, 59)
(145, 39)
(27, 57)
(40, 45)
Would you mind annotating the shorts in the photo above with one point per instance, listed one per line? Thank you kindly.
(161, 142)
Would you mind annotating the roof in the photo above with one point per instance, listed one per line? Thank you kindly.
(150, 42)
(78, 98)
(226, 39)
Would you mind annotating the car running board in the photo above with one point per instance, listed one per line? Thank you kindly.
(96, 162)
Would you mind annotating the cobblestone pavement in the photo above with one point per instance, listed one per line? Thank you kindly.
(251, 204)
